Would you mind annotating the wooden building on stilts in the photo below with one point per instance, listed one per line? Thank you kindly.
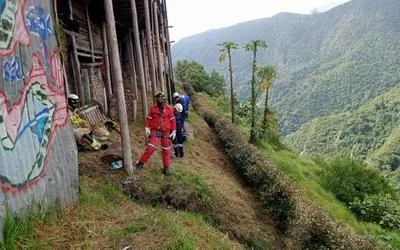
(117, 54)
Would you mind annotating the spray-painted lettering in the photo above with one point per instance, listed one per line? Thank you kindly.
(12, 69)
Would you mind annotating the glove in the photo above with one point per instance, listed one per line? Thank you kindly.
(173, 134)
(147, 131)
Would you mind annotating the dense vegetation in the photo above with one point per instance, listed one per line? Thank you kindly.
(327, 62)
(194, 72)
(371, 132)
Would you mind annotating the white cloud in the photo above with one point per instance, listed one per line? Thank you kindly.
(190, 17)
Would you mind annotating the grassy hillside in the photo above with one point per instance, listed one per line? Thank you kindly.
(204, 204)
(306, 174)
(331, 61)
(372, 131)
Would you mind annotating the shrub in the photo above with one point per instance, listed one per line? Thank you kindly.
(349, 179)
(381, 209)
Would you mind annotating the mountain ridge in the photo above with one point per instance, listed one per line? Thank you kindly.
(328, 62)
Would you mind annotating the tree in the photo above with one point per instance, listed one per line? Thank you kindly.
(217, 84)
(225, 50)
(180, 70)
(267, 75)
(254, 46)
(195, 74)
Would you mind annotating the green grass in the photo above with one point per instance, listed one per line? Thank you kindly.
(305, 172)
(20, 229)
(106, 214)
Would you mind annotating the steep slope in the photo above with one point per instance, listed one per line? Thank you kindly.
(327, 62)
(106, 218)
(371, 130)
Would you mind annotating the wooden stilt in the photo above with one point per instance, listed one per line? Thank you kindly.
(159, 54)
(131, 69)
(140, 61)
(107, 69)
(123, 119)
(150, 49)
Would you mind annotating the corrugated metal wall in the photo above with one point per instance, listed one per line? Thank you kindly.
(38, 158)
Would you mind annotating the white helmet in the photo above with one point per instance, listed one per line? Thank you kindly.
(179, 107)
(175, 95)
(73, 97)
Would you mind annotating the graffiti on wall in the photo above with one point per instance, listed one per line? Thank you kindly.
(29, 125)
(39, 23)
(13, 29)
(34, 120)
(12, 69)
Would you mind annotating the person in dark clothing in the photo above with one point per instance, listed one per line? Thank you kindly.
(179, 140)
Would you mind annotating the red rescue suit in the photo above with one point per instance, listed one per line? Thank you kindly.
(161, 123)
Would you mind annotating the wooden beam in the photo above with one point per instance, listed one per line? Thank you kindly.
(90, 32)
(107, 68)
(150, 49)
(75, 63)
(123, 119)
(139, 60)
(159, 54)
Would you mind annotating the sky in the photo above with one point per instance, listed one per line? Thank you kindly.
(189, 17)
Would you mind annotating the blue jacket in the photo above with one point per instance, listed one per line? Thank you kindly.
(185, 101)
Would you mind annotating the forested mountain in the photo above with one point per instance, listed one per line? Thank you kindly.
(372, 132)
(328, 62)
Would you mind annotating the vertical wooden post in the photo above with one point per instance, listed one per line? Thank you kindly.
(123, 119)
(132, 73)
(107, 68)
(145, 62)
(75, 63)
(164, 52)
(89, 26)
(170, 68)
(150, 47)
(140, 62)
(159, 54)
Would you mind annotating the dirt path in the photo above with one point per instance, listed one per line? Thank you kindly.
(241, 215)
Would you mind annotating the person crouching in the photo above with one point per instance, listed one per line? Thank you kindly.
(160, 128)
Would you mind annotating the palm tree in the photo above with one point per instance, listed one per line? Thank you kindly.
(253, 46)
(225, 50)
(267, 74)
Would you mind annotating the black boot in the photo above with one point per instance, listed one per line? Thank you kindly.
(139, 166)
(166, 171)
(181, 152)
(176, 152)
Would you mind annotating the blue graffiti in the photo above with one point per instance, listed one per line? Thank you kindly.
(36, 124)
(2, 6)
(39, 23)
(12, 70)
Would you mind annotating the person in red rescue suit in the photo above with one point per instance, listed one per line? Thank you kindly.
(160, 128)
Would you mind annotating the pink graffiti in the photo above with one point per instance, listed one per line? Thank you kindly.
(20, 34)
(13, 115)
